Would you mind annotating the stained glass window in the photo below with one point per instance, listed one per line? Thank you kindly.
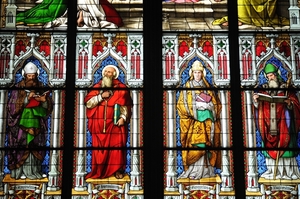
(135, 99)
(230, 89)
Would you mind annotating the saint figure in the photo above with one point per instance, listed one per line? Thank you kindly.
(199, 111)
(108, 111)
(28, 112)
(277, 114)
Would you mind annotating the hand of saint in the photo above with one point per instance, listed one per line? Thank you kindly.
(40, 98)
(120, 122)
(105, 94)
(255, 97)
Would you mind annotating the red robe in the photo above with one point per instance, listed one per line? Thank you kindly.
(106, 162)
(111, 13)
(288, 124)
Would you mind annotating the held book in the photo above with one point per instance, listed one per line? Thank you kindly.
(117, 113)
(271, 99)
(44, 93)
(33, 102)
(204, 97)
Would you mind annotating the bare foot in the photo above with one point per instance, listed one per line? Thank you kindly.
(80, 22)
(119, 174)
(225, 23)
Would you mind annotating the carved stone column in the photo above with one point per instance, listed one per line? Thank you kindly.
(2, 133)
(252, 183)
(54, 173)
(135, 174)
(171, 175)
(80, 173)
(226, 174)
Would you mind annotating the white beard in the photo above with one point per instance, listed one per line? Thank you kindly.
(273, 84)
(106, 82)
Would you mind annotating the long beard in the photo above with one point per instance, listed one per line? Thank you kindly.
(31, 82)
(273, 84)
(106, 82)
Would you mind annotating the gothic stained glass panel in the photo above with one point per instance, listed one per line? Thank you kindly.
(47, 50)
(109, 78)
(197, 121)
(269, 80)
(32, 112)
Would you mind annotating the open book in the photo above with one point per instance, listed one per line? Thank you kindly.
(269, 98)
(33, 102)
(39, 95)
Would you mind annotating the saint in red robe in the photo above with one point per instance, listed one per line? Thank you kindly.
(109, 154)
(287, 123)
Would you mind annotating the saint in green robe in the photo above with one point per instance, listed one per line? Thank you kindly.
(45, 12)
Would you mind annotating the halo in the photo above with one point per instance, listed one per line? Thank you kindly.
(112, 66)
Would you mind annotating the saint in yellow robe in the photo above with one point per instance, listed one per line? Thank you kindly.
(199, 128)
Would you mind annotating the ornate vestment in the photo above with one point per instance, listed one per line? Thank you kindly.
(287, 123)
(106, 161)
(199, 127)
(27, 128)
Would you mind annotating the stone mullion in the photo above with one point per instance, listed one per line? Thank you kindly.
(171, 175)
(135, 174)
(54, 173)
(226, 174)
(80, 172)
(252, 183)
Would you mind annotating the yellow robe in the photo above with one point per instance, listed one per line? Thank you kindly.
(194, 132)
(257, 12)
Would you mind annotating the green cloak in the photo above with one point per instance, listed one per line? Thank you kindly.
(45, 12)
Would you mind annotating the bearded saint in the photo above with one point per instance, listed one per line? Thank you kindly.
(278, 124)
(108, 112)
(28, 111)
